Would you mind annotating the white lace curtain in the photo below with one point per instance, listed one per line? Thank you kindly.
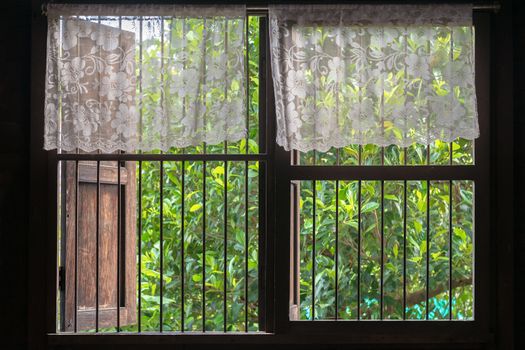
(144, 77)
(372, 74)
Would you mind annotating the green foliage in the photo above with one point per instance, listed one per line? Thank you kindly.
(387, 227)
(184, 185)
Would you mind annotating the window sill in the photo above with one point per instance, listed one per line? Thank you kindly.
(472, 340)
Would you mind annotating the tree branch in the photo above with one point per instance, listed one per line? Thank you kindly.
(420, 295)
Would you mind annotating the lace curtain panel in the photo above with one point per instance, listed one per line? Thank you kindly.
(372, 74)
(144, 77)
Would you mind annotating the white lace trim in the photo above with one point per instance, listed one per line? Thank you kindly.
(131, 85)
(366, 74)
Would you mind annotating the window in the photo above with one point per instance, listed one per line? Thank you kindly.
(289, 226)
(170, 237)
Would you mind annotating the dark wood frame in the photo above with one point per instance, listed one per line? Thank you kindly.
(493, 327)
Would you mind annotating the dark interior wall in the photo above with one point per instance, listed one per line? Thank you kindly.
(14, 165)
(519, 91)
(15, 206)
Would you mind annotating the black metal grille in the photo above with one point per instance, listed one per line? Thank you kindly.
(353, 277)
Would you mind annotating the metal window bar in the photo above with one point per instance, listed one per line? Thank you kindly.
(382, 259)
(359, 247)
(427, 256)
(139, 250)
(119, 228)
(76, 248)
(450, 251)
(314, 202)
(97, 249)
(225, 281)
(161, 245)
(119, 237)
(337, 247)
(182, 239)
(203, 244)
(247, 146)
(404, 248)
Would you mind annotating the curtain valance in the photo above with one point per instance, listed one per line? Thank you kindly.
(144, 77)
(372, 74)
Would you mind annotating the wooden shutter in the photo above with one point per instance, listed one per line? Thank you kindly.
(86, 246)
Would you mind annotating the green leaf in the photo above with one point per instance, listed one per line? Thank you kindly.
(195, 207)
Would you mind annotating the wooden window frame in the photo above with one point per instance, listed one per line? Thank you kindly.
(425, 331)
(493, 217)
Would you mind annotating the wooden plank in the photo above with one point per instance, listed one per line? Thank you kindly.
(86, 294)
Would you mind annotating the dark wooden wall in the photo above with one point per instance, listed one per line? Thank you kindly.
(15, 206)
(519, 117)
(15, 40)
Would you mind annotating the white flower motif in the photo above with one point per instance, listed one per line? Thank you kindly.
(71, 73)
(125, 121)
(85, 121)
(70, 34)
(449, 111)
(116, 86)
(296, 84)
(108, 38)
(417, 66)
(382, 36)
(362, 115)
(186, 83)
(218, 67)
(457, 73)
(337, 66)
(293, 121)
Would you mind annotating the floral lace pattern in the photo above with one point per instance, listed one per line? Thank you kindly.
(368, 74)
(144, 82)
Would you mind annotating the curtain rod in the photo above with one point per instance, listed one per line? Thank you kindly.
(494, 7)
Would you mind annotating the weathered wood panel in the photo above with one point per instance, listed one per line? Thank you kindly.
(108, 245)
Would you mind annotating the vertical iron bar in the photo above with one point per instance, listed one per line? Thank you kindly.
(404, 248)
(139, 244)
(337, 245)
(225, 98)
(204, 244)
(225, 267)
(450, 235)
(182, 263)
(76, 247)
(97, 253)
(161, 234)
(314, 196)
(359, 246)
(161, 184)
(119, 228)
(247, 66)
(382, 248)
(246, 237)
(428, 251)
(450, 250)
(119, 233)
(140, 84)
